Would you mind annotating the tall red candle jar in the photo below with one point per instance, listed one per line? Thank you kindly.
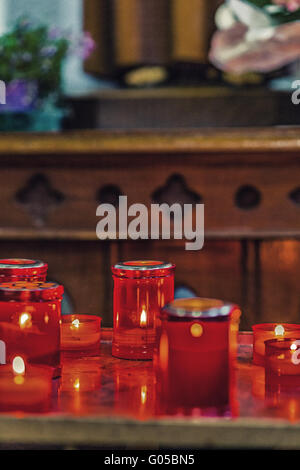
(30, 315)
(18, 269)
(141, 289)
(193, 355)
(267, 331)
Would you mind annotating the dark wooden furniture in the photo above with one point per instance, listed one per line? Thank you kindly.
(51, 185)
(120, 414)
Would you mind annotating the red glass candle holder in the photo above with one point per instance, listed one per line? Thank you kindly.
(282, 364)
(80, 332)
(30, 322)
(141, 289)
(193, 355)
(266, 331)
(18, 269)
(25, 387)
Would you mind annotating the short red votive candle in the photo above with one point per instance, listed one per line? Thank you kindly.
(30, 322)
(265, 331)
(141, 289)
(80, 332)
(193, 357)
(25, 387)
(18, 269)
(282, 363)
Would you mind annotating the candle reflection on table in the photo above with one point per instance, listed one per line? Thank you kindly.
(78, 377)
(134, 394)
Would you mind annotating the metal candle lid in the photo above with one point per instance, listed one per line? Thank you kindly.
(143, 268)
(22, 291)
(22, 267)
(198, 308)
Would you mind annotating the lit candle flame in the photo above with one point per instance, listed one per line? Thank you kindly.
(143, 318)
(76, 384)
(76, 323)
(279, 330)
(143, 394)
(25, 320)
(293, 347)
(18, 365)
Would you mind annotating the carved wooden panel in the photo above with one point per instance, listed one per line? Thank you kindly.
(38, 198)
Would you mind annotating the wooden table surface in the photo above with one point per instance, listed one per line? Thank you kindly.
(118, 410)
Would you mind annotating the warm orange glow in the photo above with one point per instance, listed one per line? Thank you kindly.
(143, 318)
(279, 330)
(164, 352)
(18, 365)
(76, 323)
(196, 330)
(25, 320)
(76, 384)
(143, 394)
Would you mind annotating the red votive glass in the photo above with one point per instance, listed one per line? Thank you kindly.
(25, 387)
(141, 289)
(18, 269)
(194, 356)
(80, 332)
(282, 364)
(30, 315)
(267, 331)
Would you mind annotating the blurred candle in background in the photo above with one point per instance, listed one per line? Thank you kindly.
(141, 289)
(265, 331)
(282, 364)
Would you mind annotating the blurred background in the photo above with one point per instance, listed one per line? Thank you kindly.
(166, 52)
(163, 101)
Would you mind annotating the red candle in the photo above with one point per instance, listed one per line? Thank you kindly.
(265, 331)
(194, 358)
(25, 387)
(141, 289)
(80, 332)
(282, 364)
(18, 269)
(30, 322)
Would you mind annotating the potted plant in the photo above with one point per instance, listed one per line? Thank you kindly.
(31, 63)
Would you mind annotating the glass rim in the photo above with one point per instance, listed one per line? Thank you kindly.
(217, 309)
(23, 291)
(146, 265)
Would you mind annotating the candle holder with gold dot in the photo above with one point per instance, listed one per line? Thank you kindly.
(195, 353)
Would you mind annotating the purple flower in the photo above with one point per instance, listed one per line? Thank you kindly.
(85, 46)
(54, 33)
